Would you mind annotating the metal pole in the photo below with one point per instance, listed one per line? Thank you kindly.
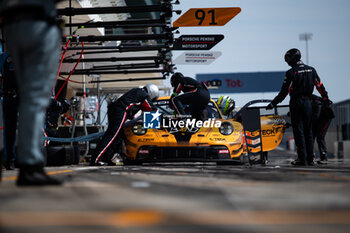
(122, 48)
(306, 37)
(114, 10)
(131, 66)
(149, 22)
(307, 51)
(129, 79)
(114, 59)
(84, 112)
(99, 100)
(107, 24)
(70, 18)
(92, 38)
(91, 71)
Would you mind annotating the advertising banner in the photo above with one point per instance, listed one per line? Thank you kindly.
(242, 82)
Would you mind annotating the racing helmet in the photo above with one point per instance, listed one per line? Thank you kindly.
(152, 90)
(175, 77)
(226, 104)
(292, 56)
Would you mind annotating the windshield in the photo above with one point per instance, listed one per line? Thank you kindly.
(211, 112)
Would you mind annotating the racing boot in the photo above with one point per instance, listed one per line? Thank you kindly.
(99, 164)
(10, 165)
(35, 176)
(311, 162)
(0, 167)
(298, 162)
(116, 159)
(323, 159)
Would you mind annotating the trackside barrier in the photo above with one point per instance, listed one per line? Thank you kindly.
(85, 138)
(77, 139)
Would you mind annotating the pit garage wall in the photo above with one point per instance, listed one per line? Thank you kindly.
(338, 136)
(338, 133)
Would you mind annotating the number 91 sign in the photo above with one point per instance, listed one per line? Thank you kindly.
(197, 17)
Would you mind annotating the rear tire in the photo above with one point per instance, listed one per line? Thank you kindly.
(56, 156)
(69, 152)
(76, 154)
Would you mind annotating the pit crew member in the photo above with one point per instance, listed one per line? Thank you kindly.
(196, 95)
(118, 111)
(322, 115)
(10, 108)
(299, 82)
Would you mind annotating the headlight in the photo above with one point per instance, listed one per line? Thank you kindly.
(138, 129)
(226, 128)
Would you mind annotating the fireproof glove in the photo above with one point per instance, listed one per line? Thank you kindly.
(269, 106)
(327, 101)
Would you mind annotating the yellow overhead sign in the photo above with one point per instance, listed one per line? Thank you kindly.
(198, 17)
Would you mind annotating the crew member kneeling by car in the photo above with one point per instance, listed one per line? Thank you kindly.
(196, 95)
(118, 111)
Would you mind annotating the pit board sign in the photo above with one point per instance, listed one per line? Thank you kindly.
(197, 58)
(197, 42)
(199, 17)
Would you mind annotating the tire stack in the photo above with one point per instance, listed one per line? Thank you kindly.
(62, 155)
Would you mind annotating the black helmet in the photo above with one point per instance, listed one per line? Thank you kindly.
(292, 56)
(175, 77)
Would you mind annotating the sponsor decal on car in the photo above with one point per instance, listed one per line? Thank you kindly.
(270, 132)
(146, 140)
(217, 139)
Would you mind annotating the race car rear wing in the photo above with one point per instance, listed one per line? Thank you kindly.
(247, 105)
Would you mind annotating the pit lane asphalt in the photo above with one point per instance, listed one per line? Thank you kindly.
(183, 197)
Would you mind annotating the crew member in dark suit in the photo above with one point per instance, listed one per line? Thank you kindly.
(118, 111)
(322, 115)
(53, 112)
(33, 40)
(196, 95)
(299, 82)
(10, 109)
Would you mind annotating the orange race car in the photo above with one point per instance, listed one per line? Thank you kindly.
(162, 137)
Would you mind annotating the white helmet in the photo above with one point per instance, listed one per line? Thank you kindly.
(152, 91)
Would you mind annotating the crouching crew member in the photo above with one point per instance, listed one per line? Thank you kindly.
(299, 82)
(118, 111)
(53, 112)
(196, 95)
